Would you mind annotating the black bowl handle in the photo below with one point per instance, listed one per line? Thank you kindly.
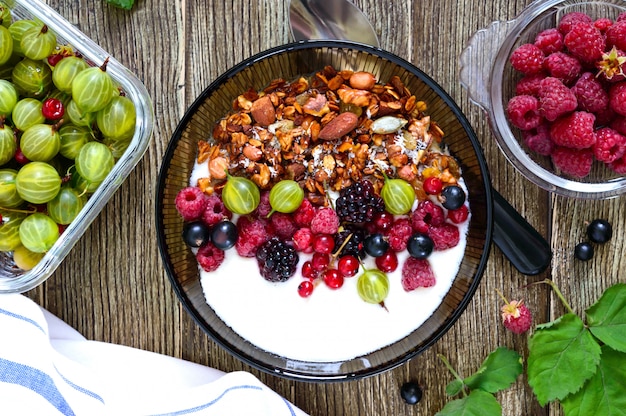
(525, 248)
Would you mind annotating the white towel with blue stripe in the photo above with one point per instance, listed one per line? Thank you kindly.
(47, 368)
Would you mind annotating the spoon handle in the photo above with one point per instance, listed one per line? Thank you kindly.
(525, 248)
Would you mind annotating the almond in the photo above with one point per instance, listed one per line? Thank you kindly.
(338, 127)
(263, 111)
(362, 80)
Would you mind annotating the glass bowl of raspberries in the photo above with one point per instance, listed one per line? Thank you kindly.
(324, 211)
(555, 93)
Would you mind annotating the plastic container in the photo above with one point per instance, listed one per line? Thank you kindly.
(490, 79)
(16, 280)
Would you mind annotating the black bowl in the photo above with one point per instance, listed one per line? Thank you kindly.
(288, 62)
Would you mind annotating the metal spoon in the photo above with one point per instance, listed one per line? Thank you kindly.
(525, 248)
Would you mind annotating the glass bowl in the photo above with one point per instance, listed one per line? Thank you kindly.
(16, 280)
(289, 62)
(490, 80)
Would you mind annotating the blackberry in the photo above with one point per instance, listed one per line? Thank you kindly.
(359, 203)
(277, 260)
(354, 246)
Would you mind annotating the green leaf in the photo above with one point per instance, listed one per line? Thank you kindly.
(477, 403)
(497, 372)
(604, 393)
(607, 317)
(454, 387)
(561, 358)
(122, 4)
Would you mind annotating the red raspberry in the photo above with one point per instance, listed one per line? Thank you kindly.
(585, 42)
(325, 221)
(209, 257)
(574, 130)
(603, 23)
(303, 240)
(590, 94)
(604, 118)
(555, 99)
(264, 207)
(549, 41)
(527, 59)
(610, 145)
(417, 273)
(538, 140)
(399, 234)
(516, 317)
(444, 236)
(426, 215)
(619, 166)
(621, 17)
(575, 162)
(617, 98)
(523, 113)
(283, 225)
(252, 234)
(570, 19)
(529, 84)
(191, 203)
(616, 35)
(562, 66)
(619, 124)
(215, 211)
(304, 214)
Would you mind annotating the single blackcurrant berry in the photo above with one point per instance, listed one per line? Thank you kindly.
(583, 251)
(411, 392)
(599, 231)
(224, 235)
(196, 233)
(420, 246)
(375, 245)
(452, 197)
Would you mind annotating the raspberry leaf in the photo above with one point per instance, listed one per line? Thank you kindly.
(477, 403)
(607, 317)
(603, 394)
(454, 387)
(497, 372)
(562, 356)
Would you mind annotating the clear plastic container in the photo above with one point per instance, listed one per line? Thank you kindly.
(13, 279)
(490, 81)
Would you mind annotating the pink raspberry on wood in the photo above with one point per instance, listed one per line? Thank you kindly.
(575, 130)
(590, 93)
(549, 41)
(523, 112)
(585, 42)
(574, 162)
(610, 145)
(555, 99)
(527, 59)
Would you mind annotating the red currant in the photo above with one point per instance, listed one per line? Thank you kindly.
(348, 265)
(458, 215)
(55, 58)
(20, 158)
(383, 221)
(52, 109)
(320, 261)
(433, 185)
(388, 262)
(308, 271)
(333, 278)
(305, 289)
(323, 243)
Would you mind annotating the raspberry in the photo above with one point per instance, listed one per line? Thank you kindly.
(277, 260)
(549, 41)
(252, 234)
(602, 24)
(574, 130)
(425, 215)
(619, 166)
(590, 94)
(529, 84)
(303, 240)
(522, 111)
(538, 140)
(610, 145)
(619, 124)
(417, 273)
(399, 234)
(283, 225)
(616, 35)
(209, 257)
(617, 98)
(325, 221)
(585, 42)
(264, 207)
(572, 161)
(570, 19)
(444, 236)
(215, 211)
(562, 66)
(527, 59)
(555, 99)
(516, 317)
(191, 203)
(621, 17)
(304, 214)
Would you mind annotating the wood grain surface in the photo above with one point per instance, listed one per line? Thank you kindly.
(112, 287)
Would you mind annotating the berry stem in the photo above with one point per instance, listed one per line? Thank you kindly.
(453, 371)
(559, 294)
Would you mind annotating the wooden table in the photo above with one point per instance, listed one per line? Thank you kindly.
(112, 287)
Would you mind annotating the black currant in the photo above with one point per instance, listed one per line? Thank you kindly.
(583, 251)
(224, 235)
(453, 197)
(375, 245)
(420, 246)
(196, 233)
(411, 392)
(599, 231)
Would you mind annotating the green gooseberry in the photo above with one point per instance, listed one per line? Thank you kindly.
(240, 195)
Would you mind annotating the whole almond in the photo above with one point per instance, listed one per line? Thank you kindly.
(263, 111)
(362, 80)
(338, 127)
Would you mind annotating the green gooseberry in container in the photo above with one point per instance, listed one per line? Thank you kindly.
(10, 231)
(32, 78)
(93, 89)
(8, 145)
(17, 30)
(64, 207)
(6, 45)
(38, 232)
(40, 143)
(27, 113)
(8, 98)
(38, 42)
(9, 197)
(94, 162)
(78, 116)
(66, 70)
(38, 182)
(73, 138)
(117, 120)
